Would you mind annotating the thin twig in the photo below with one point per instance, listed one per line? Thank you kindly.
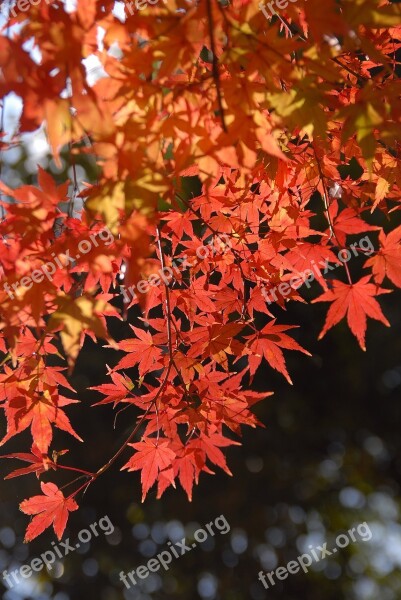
(325, 196)
(169, 316)
(215, 63)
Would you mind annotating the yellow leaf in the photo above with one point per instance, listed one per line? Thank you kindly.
(76, 317)
(108, 202)
(300, 108)
(58, 124)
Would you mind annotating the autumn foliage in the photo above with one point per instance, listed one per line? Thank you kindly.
(271, 144)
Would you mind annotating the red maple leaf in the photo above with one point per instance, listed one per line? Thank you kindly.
(52, 508)
(39, 462)
(152, 457)
(348, 222)
(39, 413)
(142, 351)
(357, 302)
(267, 344)
(115, 392)
(387, 261)
(186, 466)
(210, 445)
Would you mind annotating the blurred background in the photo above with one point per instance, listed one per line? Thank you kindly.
(328, 459)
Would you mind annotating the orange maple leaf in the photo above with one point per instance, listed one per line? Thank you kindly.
(357, 302)
(142, 351)
(387, 261)
(267, 344)
(49, 509)
(152, 457)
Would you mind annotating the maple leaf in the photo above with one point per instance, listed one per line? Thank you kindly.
(348, 222)
(51, 508)
(115, 392)
(152, 457)
(39, 413)
(216, 340)
(267, 344)
(142, 351)
(387, 261)
(234, 148)
(179, 224)
(356, 301)
(186, 466)
(76, 317)
(40, 463)
(210, 445)
(304, 257)
(27, 344)
(29, 397)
